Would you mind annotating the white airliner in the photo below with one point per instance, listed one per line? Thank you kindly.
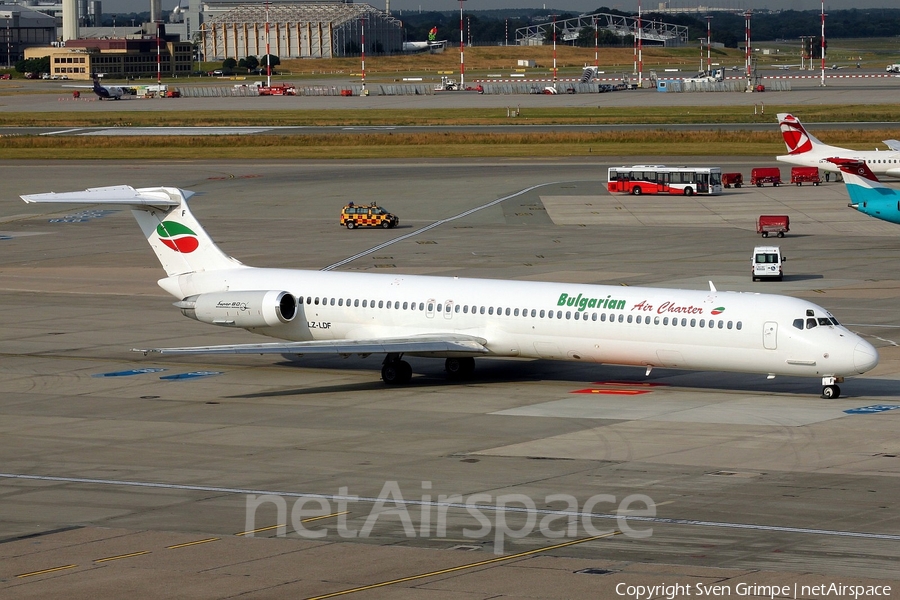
(805, 150)
(459, 319)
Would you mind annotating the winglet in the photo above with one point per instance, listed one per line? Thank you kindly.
(712, 288)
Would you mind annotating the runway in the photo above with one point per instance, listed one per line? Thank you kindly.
(119, 478)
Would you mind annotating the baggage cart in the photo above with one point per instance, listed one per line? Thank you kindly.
(777, 224)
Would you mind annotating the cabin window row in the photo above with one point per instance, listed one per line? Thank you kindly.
(524, 312)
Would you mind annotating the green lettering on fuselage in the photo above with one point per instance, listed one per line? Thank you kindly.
(581, 302)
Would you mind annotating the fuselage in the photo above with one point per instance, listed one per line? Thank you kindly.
(655, 327)
(881, 163)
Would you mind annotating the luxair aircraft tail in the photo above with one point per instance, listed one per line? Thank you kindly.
(799, 141)
(180, 243)
(867, 194)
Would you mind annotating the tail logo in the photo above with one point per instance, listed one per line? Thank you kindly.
(796, 139)
(177, 237)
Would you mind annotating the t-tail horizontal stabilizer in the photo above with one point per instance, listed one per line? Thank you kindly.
(180, 243)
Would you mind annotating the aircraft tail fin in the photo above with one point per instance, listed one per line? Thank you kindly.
(862, 184)
(181, 244)
(797, 139)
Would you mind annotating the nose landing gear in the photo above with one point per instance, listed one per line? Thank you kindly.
(830, 389)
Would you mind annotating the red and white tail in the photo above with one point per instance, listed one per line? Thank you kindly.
(857, 173)
(796, 138)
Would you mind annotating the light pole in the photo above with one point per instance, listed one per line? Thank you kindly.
(554, 50)
(363, 54)
(823, 43)
(462, 62)
(268, 54)
(708, 42)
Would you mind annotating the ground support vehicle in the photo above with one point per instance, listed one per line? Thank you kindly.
(371, 215)
(763, 175)
(801, 175)
(284, 89)
(732, 179)
(766, 263)
(777, 224)
(660, 179)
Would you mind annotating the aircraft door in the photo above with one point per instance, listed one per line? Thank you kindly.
(429, 308)
(770, 335)
(448, 309)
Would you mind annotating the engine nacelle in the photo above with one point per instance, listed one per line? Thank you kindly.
(241, 309)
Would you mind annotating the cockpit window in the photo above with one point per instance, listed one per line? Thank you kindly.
(810, 323)
(824, 321)
(798, 323)
(835, 321)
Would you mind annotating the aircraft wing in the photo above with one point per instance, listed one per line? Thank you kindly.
(421, 344)
(893, 145)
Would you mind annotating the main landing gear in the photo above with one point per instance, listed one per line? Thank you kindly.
(395, 371)
(459, 368)
(830, 389)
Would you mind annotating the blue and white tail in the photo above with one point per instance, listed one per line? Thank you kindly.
(867, 194)
(180, 243)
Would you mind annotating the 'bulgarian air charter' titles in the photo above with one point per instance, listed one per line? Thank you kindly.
(610, 303)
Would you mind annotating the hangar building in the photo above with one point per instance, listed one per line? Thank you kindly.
(297, 30)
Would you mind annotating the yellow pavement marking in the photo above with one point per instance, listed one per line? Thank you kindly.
(337, 514)
(109, 558)
(192, 543)
(47, 571)
(260, 529)
(462, 567)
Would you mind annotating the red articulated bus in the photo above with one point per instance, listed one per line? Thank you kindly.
(660, 179)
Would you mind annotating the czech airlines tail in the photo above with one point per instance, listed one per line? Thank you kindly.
(799, 141)
(807, 150)
(867, 194)
(459, 319)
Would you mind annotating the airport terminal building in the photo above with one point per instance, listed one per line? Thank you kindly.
(297, 30)
(116, 57)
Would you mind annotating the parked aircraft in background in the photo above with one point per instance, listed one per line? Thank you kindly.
(106, 92)
(806, 150)
(432, 44)
(459, 319)
(867, 194)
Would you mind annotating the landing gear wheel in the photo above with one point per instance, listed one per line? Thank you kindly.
(831, 391)
(396, 372)
(351, 225)
(459, 368)
(636, 191)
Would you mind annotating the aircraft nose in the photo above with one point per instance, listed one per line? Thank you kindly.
(865, 356)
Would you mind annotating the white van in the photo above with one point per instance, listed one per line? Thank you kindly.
(767, 262)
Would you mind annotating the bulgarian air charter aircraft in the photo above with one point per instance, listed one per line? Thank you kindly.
(459, 319)
(806, 150)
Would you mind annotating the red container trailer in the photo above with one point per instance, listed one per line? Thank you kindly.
(777, 224)
(801, 175)
(732, 179)
(761, 175)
